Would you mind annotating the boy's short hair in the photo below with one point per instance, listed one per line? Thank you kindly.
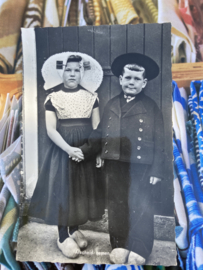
(134, 67)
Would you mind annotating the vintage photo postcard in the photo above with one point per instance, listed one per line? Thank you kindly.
(97, 150)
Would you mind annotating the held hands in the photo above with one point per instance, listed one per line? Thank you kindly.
(76, 154)
(154, 180)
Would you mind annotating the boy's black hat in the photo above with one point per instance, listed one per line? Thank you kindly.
(151, 67)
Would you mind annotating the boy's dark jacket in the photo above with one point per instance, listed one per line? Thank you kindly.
(134, 134)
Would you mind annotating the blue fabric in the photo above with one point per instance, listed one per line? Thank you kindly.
(193, 211)
(123, 267)
(193, 134)
(190, 172)
(196, 114)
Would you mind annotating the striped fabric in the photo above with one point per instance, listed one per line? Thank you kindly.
(32, 18)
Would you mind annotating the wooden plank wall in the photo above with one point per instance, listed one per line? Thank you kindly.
(105, 43)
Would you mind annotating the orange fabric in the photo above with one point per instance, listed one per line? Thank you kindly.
(12, 84)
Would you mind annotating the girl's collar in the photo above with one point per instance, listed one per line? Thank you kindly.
(79, 87)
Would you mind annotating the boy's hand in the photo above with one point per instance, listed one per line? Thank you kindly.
(99, 162)
(154, 180)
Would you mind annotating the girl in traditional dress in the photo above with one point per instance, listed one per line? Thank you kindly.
(68, 192)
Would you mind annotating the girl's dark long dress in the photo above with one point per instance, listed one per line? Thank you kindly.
(68, 193)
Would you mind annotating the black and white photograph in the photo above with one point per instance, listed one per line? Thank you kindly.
(97, 146)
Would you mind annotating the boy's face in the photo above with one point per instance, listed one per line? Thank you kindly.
(132, 82)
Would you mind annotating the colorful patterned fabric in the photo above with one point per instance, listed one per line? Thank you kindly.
(187, 172)
(179, 116)
(12, 181)
(196, 110)
(10, 158)
(183, 49)
(15, 231)
(32, 18)
(195, 139)
(7, 225)
(121, 267)
(60, 6)
(11, 84)
(124, 11)
(185, 13)
(9, 167)
(194, 257)
(11, 17)
(4, 197)
(51, 18)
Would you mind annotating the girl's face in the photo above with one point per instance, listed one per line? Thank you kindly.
(72, 75)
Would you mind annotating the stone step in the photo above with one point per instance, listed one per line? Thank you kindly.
(38, 242)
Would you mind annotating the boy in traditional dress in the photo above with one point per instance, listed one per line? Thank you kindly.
(130, 137)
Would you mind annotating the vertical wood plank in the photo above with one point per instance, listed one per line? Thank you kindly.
(42, 45)
(55, 40)
(70, 38)
(86, 42)
(102, 55)
(55, 45)
(135, 38)
(153, 47)
(167, 187)
(118, 47)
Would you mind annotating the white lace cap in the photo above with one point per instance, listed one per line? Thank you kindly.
(52, 76)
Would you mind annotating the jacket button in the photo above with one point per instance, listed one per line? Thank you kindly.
(139, 138)
(107, 135)
(110, 118)
(141, 120)
(139, 147)
(138, 157)
(106, 151)
(140, 129)
(106, 143)
(108, 126)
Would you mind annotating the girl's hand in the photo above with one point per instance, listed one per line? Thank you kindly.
(75, 153)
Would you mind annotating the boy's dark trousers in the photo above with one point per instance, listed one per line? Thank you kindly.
(130, 206)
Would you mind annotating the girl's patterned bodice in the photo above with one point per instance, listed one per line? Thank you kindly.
(69, 104)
